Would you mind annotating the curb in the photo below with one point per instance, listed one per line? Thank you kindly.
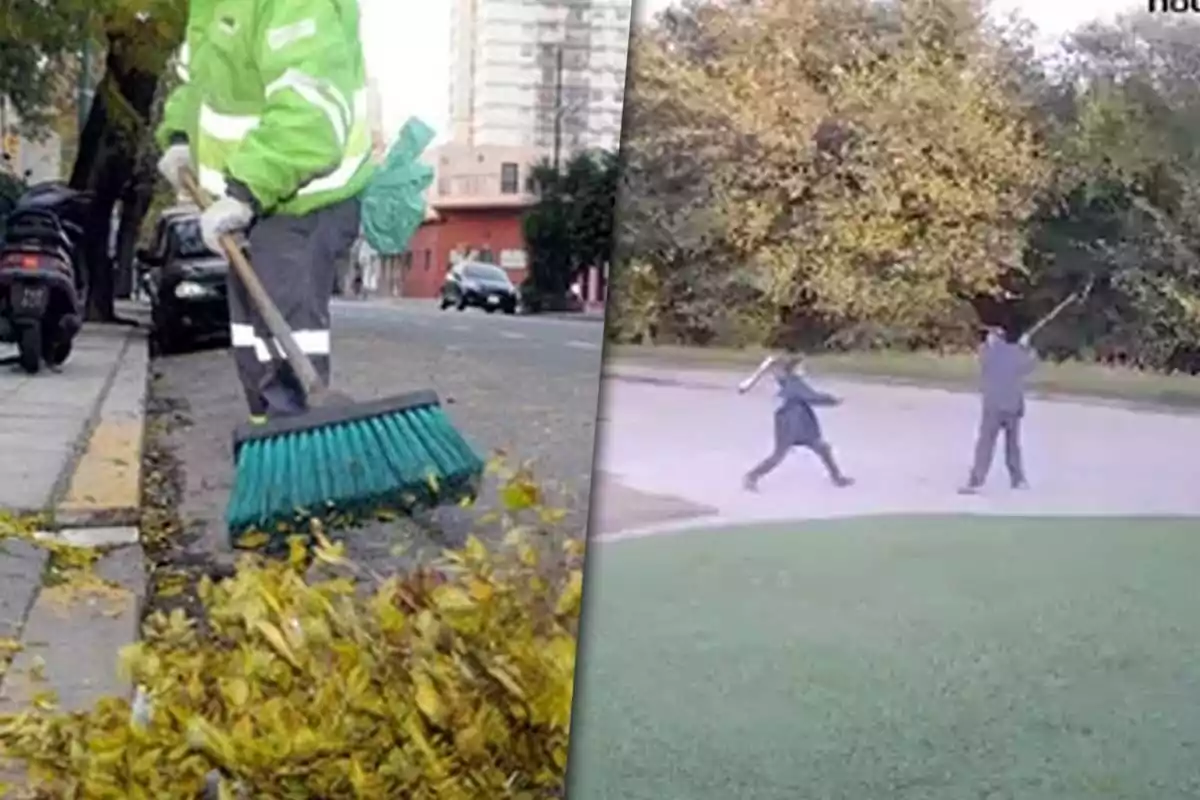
(673, 528)
(104, 485)
(581, 318)
(577, 316)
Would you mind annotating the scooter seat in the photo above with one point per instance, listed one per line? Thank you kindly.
(37, 234)
(38, 242)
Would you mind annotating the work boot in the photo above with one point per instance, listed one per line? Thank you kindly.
(1020, 483)
(971, 487)
(841, 481)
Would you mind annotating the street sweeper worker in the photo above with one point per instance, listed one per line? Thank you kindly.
(271, 115)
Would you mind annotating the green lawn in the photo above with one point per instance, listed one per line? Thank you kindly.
(1071, 378)
(946, 658)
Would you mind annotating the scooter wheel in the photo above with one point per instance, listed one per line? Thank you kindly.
(57, 352)
(29, 348)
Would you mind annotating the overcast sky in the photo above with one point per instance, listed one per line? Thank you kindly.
(407, 44)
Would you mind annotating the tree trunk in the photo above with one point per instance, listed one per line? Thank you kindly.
(95, 154)
(106, 162)
(134, 206)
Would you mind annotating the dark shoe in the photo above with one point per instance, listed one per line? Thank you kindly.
(842, 481)
(970, 488)
(750, 483)
(1021, 484)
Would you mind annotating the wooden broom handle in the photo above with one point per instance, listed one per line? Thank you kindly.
(301, 364)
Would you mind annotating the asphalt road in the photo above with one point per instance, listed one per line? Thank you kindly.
(525, 386)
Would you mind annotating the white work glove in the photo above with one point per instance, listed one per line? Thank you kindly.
(744, 386)
(172, 162)
(1024, 341)
(226, 216)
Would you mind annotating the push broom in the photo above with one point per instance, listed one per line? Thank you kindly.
(340, 462)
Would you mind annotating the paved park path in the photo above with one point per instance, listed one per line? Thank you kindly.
(676, 443)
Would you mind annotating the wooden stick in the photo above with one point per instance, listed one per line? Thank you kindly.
(766, 364)
(1073, 297)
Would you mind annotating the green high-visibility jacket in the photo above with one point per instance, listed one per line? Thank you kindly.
(273, 100)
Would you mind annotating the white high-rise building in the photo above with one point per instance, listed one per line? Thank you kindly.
(520, 69)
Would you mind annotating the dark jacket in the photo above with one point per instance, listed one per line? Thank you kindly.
(796, 423)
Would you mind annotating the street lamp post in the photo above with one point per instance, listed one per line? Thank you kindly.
(561, 110)
(558, 106)
(81, 99)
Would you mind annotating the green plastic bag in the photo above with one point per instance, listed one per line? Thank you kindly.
(393, 204)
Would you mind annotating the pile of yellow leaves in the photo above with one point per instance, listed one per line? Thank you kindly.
(454, 681)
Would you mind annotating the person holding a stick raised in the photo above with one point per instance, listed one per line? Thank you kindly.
(1006, 360)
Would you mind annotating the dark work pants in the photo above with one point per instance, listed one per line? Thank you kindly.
(992, 423)
(296, 258)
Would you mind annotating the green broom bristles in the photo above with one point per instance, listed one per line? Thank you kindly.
(343, 466)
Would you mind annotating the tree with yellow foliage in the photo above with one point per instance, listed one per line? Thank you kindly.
(867, 162)
(903, 176)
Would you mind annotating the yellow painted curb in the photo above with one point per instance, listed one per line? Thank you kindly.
(109, 473)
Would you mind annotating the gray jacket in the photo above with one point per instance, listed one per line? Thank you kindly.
(1004, 367)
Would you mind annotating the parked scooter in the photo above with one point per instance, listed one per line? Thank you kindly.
(43, 279)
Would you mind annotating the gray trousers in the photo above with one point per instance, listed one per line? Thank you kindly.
(822, 450)
(296, 258)
(992, 423)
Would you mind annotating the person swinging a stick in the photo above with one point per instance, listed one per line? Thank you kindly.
(796, 423)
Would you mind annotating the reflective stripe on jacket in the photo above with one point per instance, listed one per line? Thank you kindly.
(274, 96)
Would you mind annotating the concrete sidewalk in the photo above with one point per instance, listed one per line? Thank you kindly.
(72, 444)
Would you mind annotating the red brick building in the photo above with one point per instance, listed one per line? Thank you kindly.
(484, 229)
